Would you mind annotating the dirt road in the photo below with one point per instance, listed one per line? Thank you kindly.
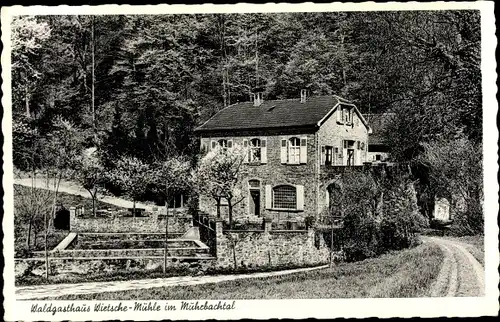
(461, 274)
(72, 188)
(55, 290)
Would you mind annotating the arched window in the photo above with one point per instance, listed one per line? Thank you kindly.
(294, 150)
(255, 153)
(285, 197)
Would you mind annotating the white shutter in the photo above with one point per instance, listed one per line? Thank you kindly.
(339, 114)
(323, 157)
(357, 156)
(284, 151)
(269, 196)
(263, 151)
(303, 149)
(300, 197)
(213, 144)
(229, 144)
(245, 147)
(344, 154)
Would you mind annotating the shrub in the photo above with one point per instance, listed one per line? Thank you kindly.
(380, 214)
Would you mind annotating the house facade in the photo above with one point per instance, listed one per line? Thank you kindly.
(291, 144)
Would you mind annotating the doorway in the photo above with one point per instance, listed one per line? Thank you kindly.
(255, 202)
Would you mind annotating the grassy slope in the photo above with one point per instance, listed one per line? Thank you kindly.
(407, 273)
(54, 238)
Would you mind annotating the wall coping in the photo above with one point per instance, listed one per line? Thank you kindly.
(288, 231)
(244, 231)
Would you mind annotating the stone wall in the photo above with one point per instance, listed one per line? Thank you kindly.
(61, 266)
(270, 248)
(150, 224)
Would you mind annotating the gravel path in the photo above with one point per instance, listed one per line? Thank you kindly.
(56, 290)
(74, 189)
(461, 274)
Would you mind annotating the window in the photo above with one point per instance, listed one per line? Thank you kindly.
(285, 197)
(255, 151)
(294, 151)
(347, 115)
(378, 157)
(328, 155)
(222, 143)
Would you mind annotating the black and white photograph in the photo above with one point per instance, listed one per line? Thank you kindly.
(179, 161)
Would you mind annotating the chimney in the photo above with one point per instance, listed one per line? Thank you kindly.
(258, 99)
(303, 95)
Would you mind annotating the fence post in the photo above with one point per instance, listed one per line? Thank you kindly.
(267, 223)
(217, 236)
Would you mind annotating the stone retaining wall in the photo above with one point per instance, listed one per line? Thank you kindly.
(269, 248)
(150, 224)
(61, 266)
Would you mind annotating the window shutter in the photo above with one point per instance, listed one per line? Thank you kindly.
(300, 197)
(245, 147)
(284, 151)
(323, 159)
(359, 145)
(303, 150)
(214, 144)
(269, 196)
(263, 151)
(339, 114)
(229, 144)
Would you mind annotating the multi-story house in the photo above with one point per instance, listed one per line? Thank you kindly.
(292, 144)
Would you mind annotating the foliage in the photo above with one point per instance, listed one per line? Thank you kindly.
(30, 206)
(171, 176)
(158, 76)
(218, 174)
(133, 176)
(455, 172)
(380, 214)
(402, 219)
(91, 175)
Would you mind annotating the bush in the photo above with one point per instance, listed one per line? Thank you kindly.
(380, 214)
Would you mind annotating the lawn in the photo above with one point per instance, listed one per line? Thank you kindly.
(407, 273)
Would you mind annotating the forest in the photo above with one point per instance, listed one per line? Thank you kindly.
(138, 85)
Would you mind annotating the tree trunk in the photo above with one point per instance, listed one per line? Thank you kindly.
(166, 238)
(93, 78)
(234, 255)
(331, 246)
(27, 101)
(46, 223)
(230, 210)
(93, 206)
(218, 208)
(28, 238)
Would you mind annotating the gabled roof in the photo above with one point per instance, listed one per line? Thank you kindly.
(378, 124)
(287, 113)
